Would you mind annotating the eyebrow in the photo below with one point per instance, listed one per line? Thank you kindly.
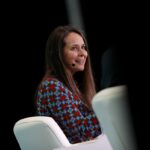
(74, 44)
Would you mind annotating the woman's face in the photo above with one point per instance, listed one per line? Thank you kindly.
(75, 53)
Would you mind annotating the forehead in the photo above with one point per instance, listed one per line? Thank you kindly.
(74, 38)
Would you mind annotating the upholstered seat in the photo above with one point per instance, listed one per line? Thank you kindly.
(39, 133)
(112, 109)
(43, 133)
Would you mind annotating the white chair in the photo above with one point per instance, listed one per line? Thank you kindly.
(112, 110)
(39, 133)
(43, 133)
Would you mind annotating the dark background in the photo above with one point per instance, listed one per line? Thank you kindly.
(25, 28)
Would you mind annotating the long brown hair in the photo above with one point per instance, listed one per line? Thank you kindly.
(55, 65)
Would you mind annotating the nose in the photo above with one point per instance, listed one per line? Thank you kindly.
(83, 53)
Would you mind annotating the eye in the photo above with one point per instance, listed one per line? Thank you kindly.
(84, 47)
(74, 48)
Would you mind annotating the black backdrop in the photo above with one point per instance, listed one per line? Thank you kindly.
(26, 29)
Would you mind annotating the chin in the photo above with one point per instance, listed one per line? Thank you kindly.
(81, 69)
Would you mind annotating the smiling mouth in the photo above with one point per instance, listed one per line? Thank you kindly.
(81, 62)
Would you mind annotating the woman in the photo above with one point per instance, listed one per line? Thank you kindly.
(67, 88)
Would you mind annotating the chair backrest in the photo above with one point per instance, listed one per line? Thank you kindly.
(39, 133)
(112, 110)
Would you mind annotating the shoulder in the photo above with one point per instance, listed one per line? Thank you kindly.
(53, 84)
(50, 81)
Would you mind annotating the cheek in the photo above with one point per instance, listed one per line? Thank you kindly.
(86, 54)
(69, 58)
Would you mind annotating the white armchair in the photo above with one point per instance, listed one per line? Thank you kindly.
(43, 133)
(39, 133)
(112, 109)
